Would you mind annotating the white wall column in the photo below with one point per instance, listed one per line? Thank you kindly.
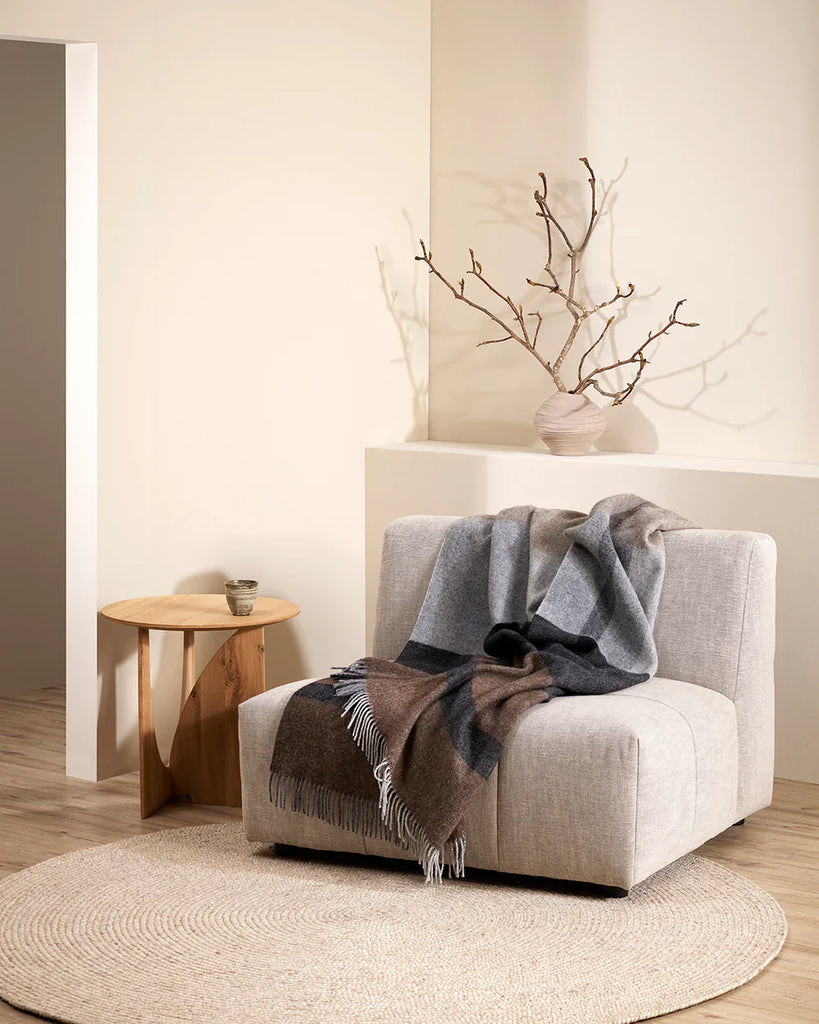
(81, 409)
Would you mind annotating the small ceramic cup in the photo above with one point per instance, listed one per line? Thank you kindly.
(241, 595)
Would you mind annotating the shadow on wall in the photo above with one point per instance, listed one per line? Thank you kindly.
(628, 428)
(509, 204)
(512, 203)
(166, 658)
(703, 385)
(283, 656)
(284, 659)
(117, 644)
(407, 322)
(509, 98)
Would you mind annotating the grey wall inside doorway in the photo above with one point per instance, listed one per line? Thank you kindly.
(32, 366)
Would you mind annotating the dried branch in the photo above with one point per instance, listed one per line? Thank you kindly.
(549, 217)
(616, 298)
(637, 357)
(539, 316)
(521, 338)
(594, 211)
(515, 327)
(517, 311)
(593, 346)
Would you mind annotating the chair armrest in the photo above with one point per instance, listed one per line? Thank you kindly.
(715, 628)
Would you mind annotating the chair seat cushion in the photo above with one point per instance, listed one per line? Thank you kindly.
(603, 789)
(610, 788)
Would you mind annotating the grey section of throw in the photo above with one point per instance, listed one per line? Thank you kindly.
(455, 615)
(608, 585)
(492, 569)
(597, 575)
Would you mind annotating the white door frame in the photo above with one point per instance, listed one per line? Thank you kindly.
(82, 690)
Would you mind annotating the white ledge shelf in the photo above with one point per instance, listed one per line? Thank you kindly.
(657, 461)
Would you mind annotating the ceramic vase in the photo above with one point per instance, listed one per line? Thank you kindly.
(569, 424)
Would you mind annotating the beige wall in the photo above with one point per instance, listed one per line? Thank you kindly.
(714, 106)
(252, 156)
(32, 332)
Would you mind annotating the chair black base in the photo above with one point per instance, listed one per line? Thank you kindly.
(612, 892)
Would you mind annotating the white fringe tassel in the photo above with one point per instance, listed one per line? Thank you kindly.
(400, 824)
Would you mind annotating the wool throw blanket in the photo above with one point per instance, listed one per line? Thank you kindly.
(522, 607)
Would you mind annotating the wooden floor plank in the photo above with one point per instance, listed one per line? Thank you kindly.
(43, 814)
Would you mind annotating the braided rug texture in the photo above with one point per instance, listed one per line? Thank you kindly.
(197, 925)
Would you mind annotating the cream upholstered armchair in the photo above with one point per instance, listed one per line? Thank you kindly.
(604, 789)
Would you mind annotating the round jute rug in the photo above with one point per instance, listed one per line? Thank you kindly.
(197, 925)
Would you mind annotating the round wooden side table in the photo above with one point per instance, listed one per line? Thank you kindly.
(204, 761)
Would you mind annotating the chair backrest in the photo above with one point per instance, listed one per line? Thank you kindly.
(717, 598)
(714, 626)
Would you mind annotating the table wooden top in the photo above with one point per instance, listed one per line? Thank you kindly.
(196, 611)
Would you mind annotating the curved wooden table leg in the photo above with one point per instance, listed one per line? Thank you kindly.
(204, 761)
(155, 783)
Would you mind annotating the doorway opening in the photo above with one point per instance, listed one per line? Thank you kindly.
(48, 327)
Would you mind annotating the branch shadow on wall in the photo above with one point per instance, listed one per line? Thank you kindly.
(512, 202)
(705, 385)
(628, 427)
(407, 322)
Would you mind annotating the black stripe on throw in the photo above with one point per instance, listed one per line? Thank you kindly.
(322, 691)
(576, 663)
(478, 749)
(433, 660)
